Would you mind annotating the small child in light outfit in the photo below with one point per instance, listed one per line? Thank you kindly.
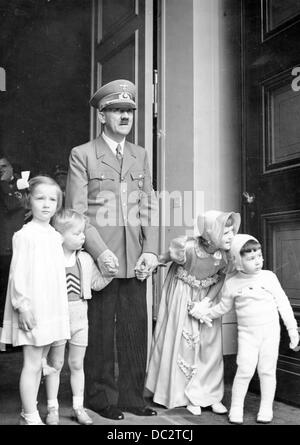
(82, 274)
(258, 297)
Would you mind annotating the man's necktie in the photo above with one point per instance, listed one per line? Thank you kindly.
(119, 155)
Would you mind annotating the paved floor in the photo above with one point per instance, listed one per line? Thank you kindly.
(10, 365)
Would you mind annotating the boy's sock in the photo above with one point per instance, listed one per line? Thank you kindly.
(52, 403)
(77, 402)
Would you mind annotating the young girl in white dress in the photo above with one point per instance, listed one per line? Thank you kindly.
(186, 361)
(36, 308)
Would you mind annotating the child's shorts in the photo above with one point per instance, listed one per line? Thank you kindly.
(78, 324)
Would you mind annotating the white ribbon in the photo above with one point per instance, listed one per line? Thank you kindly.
(23, 183)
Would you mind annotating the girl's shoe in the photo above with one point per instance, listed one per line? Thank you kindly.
(219, 408)
(24, 421)
(264, 416)
(52, 416)
(81, 416)
(196, 410)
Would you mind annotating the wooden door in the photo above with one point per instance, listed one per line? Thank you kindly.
(122, 49)
(271, 154)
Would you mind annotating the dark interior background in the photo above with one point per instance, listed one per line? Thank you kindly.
(45, 48)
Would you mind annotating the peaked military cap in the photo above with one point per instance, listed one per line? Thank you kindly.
(118, 93)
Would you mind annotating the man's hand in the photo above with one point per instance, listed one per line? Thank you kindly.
(294, 338)
(108, 263)
(145, 265)
(26, 321)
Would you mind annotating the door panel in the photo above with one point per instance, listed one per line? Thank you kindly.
(118, 52)
(271, 154)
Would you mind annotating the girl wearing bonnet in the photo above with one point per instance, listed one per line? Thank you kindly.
(186, 361)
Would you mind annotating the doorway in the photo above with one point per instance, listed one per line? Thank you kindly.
(271, 155)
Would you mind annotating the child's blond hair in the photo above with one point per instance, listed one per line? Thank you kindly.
(66, 218)
(43, 180)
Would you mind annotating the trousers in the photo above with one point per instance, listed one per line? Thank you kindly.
(117, 316)
(257, 348)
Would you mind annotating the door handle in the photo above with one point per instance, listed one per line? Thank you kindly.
(249, 198)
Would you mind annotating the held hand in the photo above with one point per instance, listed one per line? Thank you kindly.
(141, 272)
(145, 265)
(26, 321)
(199, 310)
(294, 338)
(200, 307)
(108, 263)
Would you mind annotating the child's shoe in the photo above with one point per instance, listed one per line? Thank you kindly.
(196, 410)
(218, 408)
(24, 420)
(236, 416)
(52, 416)
(81, 416)
(264, 416)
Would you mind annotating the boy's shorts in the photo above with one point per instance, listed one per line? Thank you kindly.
(78, 324)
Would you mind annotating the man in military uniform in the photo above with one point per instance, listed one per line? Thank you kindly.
(12, 214)
(109, 181)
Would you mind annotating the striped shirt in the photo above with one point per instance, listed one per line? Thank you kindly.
(73, 282)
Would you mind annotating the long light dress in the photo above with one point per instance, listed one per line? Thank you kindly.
(37, 282)
(186, 361)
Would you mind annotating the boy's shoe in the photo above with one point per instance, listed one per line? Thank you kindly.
(236, 416)
(52, 416)
(81, 416)
(218, 408)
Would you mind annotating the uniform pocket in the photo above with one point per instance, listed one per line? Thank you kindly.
(100, 180)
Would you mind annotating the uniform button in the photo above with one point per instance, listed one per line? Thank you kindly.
(122, 179)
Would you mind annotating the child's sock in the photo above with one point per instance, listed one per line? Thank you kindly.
(77, 402)
(22, 409)
(52, 403)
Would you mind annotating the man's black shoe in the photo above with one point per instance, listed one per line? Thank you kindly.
(140, 410)
(111, 412)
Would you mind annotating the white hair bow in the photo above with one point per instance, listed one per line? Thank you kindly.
(23, 183)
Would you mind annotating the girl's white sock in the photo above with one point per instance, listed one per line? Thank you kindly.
(52, 403)
(77, 402)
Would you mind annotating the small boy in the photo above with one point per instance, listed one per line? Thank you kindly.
(258, 297)
(82, 275)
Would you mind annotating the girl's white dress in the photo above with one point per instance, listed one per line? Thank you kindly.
(186, 361)
(37, 282)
